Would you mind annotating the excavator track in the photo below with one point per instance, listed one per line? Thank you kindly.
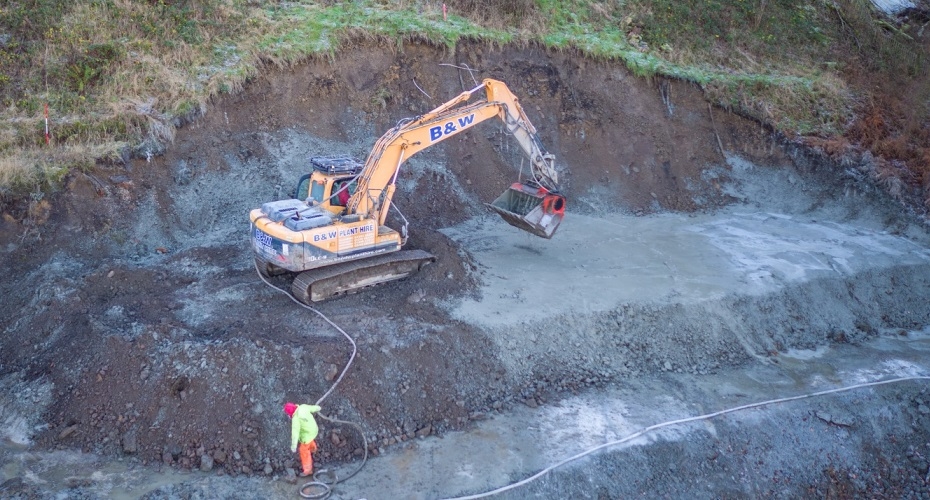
(327, 282)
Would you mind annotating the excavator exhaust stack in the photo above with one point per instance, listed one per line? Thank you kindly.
(533, 209)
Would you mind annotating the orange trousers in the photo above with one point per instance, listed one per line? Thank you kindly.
(306, 459)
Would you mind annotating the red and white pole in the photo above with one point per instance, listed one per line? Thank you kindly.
(443, 12)
(46, 124)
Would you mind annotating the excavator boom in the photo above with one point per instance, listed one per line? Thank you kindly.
(410, 136)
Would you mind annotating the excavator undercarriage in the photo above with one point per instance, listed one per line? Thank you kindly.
(349, 277)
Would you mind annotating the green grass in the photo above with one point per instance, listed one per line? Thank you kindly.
(115, 72)
(309, 30)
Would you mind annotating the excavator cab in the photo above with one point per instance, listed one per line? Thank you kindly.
(333, 181)
(531, 208)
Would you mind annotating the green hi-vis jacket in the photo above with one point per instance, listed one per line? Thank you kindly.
(303, 426)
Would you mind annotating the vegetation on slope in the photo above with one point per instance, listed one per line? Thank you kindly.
(118, 76)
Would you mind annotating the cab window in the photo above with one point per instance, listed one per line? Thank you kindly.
(317, 190)
(340, 196)
(303, 188)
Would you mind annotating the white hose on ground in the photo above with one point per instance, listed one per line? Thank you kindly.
(317, 483)
(681, 421)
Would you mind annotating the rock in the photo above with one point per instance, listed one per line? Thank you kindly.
(121, 179)
(416, 297)
(180, 384)
(424, 431)
(166, 458)
(11, 485)
(290, 477)
(77, 482)
(531, 402)
(668, 366)
(837, 335)
(130, 445)
(237, 456)
(219, 456)
(331, 373)
(68, 431)
(923, 409)
(182, 174)
(268, 469)
(206, 463)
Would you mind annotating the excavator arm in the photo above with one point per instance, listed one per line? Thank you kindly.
(378, 178)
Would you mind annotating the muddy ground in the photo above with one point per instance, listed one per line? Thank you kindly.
(697, 246)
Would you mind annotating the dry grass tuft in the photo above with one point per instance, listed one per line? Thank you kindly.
(35, 167)
(500, 14)
(157, 123)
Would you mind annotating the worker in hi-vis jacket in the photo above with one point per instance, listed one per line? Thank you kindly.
(303, 432)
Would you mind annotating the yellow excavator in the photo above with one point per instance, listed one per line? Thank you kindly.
(332, 234)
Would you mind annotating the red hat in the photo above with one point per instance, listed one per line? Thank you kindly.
(290, 408)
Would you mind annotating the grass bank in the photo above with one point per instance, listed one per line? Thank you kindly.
(119, 76)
